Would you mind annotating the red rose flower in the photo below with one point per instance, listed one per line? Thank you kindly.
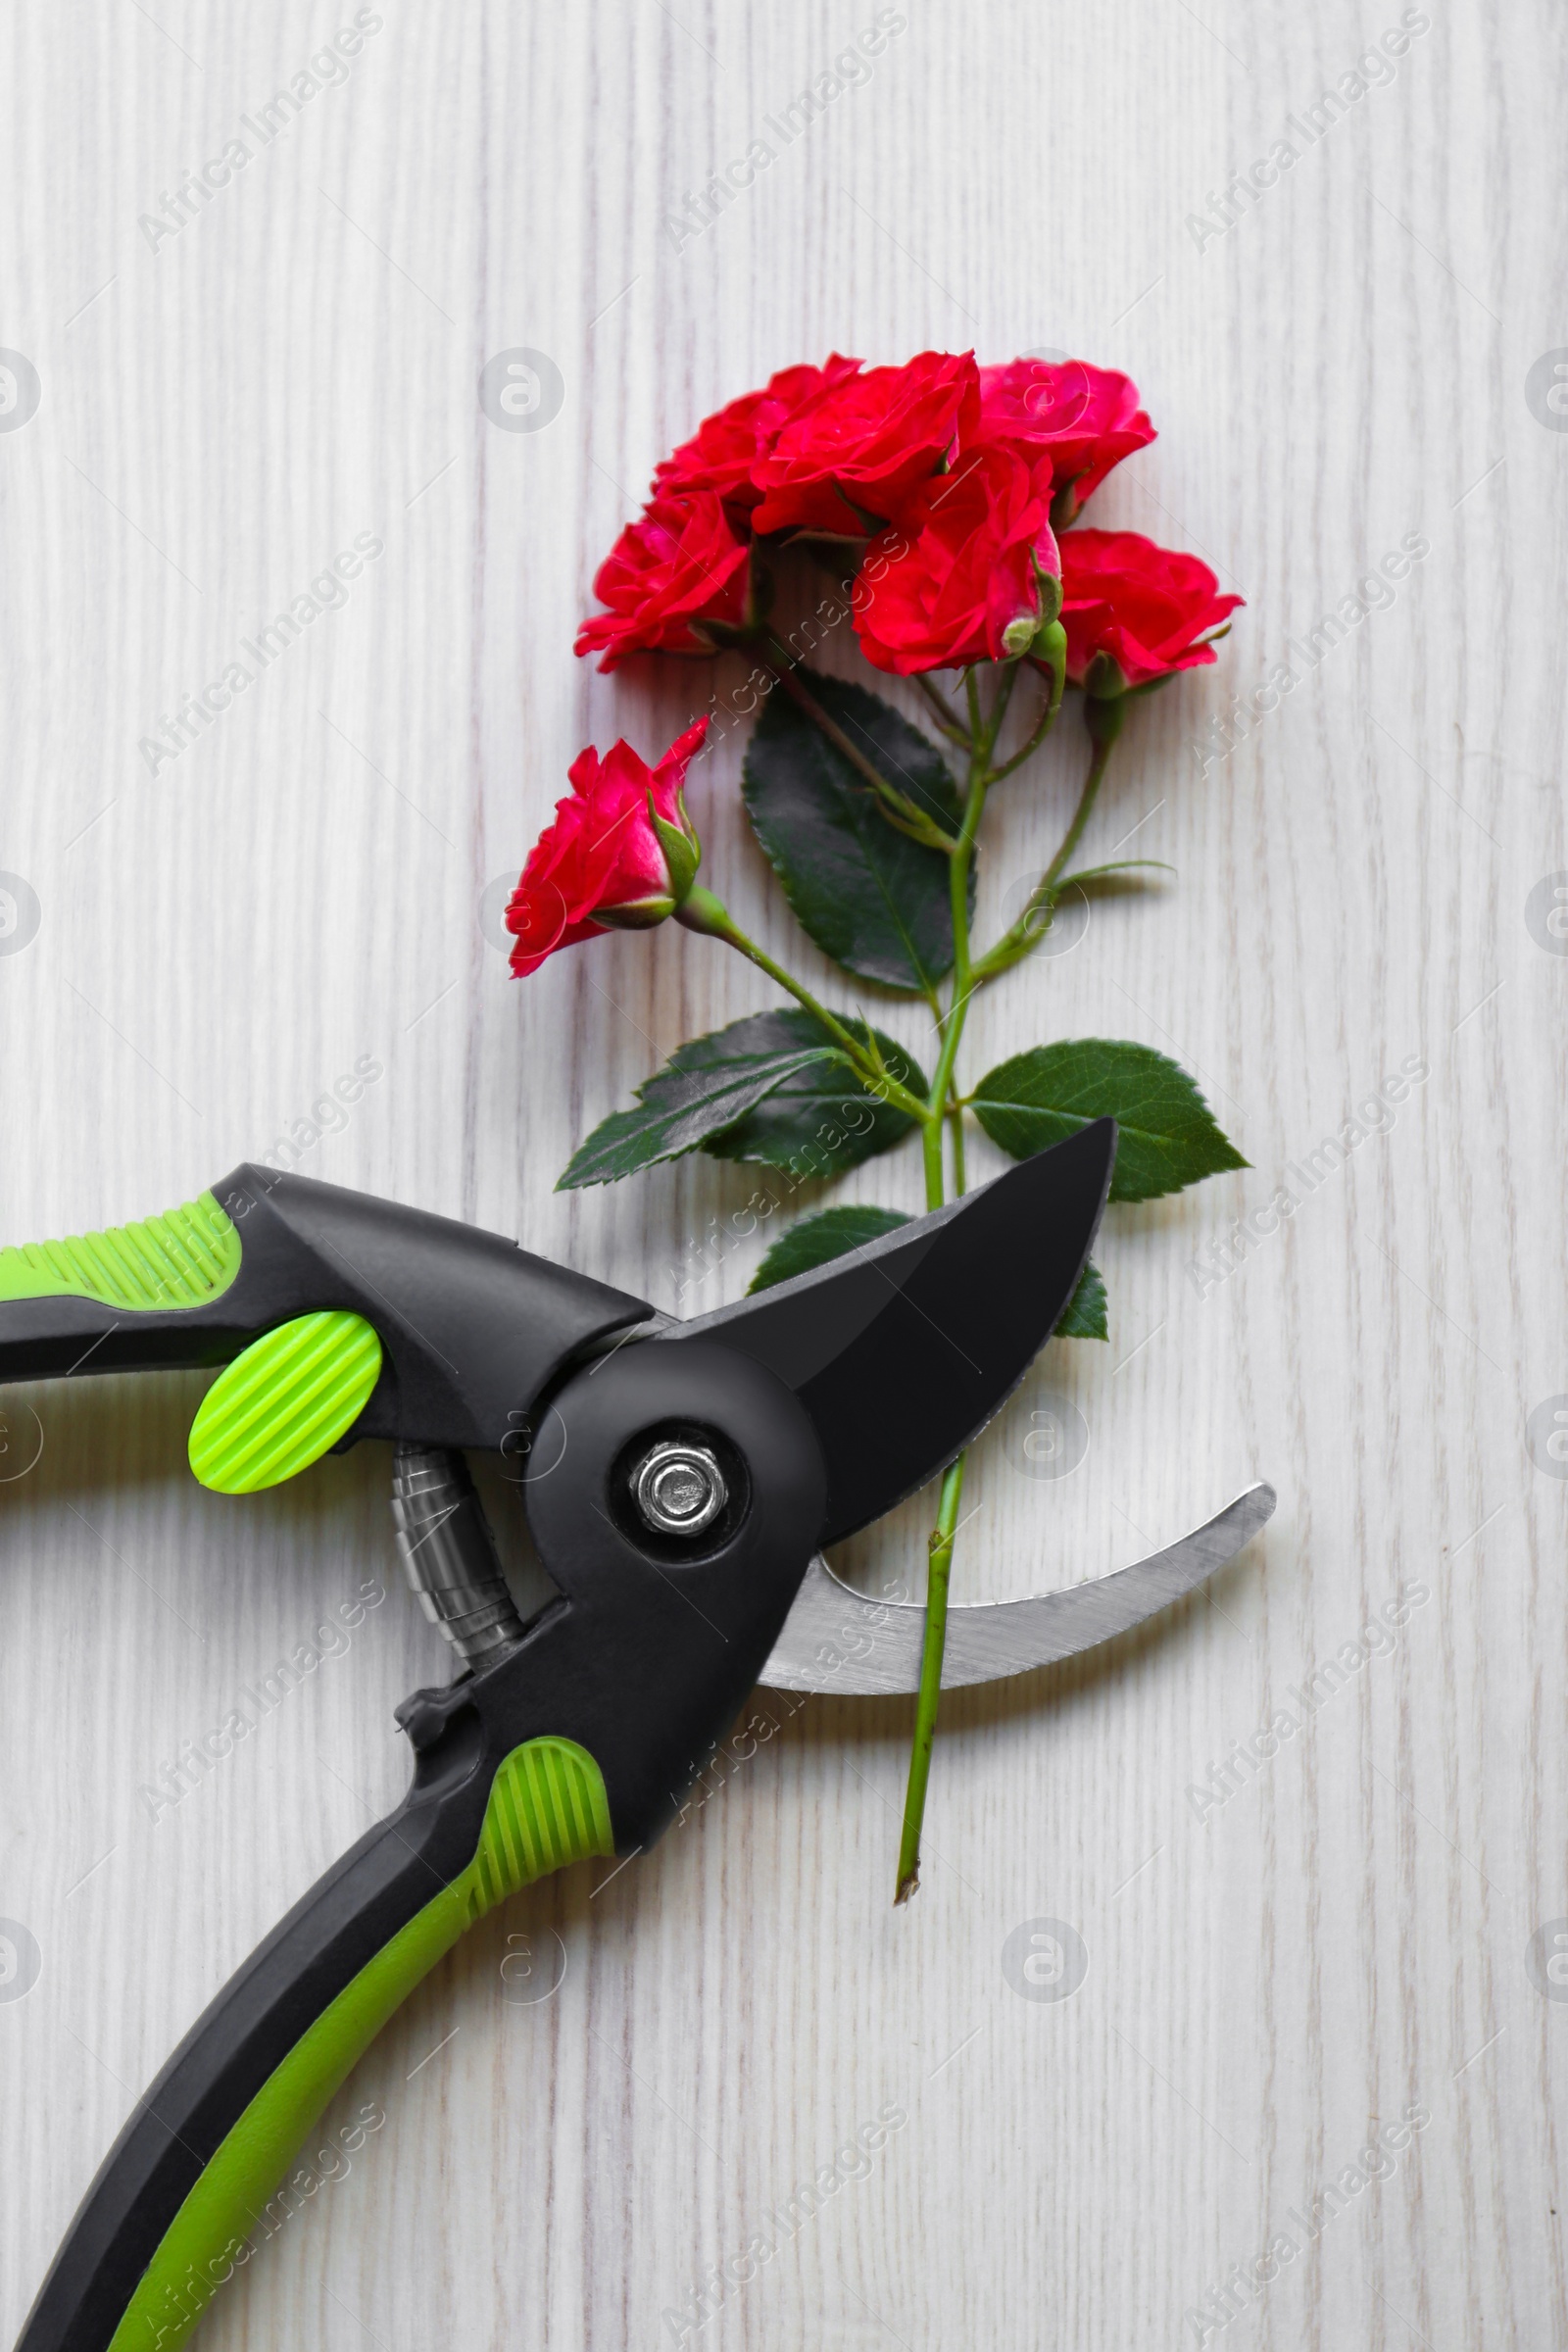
(622, 854)
(1085, 419)
(681, 565)
(865, 445)
(956, 578)
(1135, 612)
(721, 453)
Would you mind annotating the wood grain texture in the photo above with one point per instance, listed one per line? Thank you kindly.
(1345, 1935)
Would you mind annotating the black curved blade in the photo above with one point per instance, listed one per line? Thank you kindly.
(901, 1352)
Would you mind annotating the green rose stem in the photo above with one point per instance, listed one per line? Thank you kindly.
(1103, 718)
(983, 733)
(702, 911)
(1052, 648)
(946, 717)
(939, 1562)
(1104, 723)
(942, 1110)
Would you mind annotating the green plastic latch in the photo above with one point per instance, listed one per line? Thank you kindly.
(284, 1403)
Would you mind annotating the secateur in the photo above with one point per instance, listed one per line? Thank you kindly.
(680, 1480)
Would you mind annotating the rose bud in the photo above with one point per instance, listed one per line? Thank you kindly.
(1085, 419)
(862, 448)
(969, 573)
(682, 564)
(622, 856)
(1135, 613)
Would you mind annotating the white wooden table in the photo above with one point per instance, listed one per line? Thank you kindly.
(221, 411)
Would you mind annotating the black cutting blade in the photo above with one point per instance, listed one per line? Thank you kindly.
(901, 1352)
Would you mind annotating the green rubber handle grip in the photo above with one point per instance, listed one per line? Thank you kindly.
(181, 2200)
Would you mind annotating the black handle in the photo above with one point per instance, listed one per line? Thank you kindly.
(579, 1739)
(471, 1327)
(187, 2194)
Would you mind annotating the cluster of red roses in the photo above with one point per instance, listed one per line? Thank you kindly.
(950, 482)
(946, 485)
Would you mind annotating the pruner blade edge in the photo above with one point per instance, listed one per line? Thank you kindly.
(837, 1641)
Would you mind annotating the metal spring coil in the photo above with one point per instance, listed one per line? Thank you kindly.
(448, 1552)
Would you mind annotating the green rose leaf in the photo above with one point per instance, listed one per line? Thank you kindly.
(817, 1241)
(821, 1120)
(703, 1087)
(1084, 1315)
(1168, 1133)
(871, 898)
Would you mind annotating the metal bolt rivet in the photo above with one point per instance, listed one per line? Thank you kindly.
(679, 1489)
